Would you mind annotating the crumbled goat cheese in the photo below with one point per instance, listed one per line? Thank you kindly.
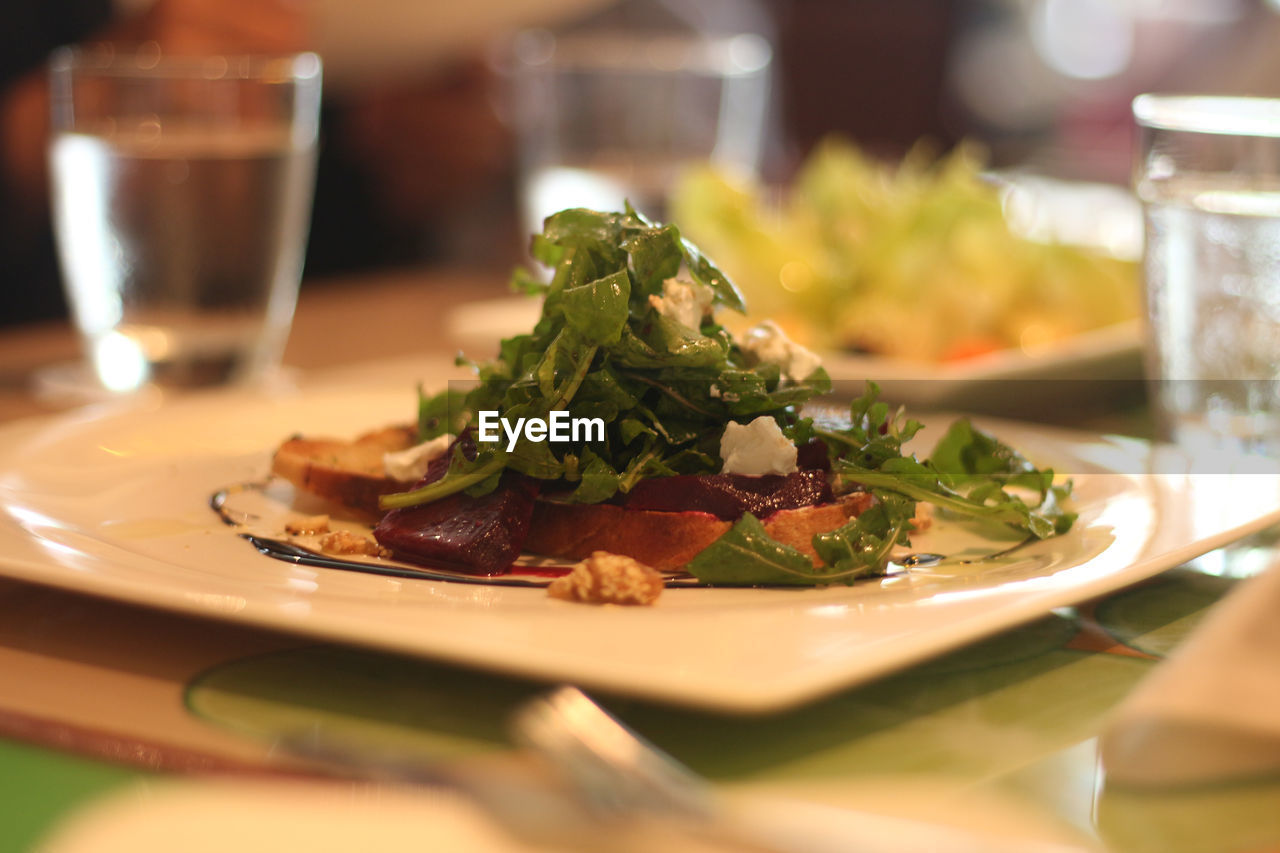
(406, 466)
(756, 449)
(770, 345)
(686, 302)
(605, 578)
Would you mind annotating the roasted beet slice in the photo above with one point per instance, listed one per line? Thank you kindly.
(728, 496)
(481, 536)
(813, 456)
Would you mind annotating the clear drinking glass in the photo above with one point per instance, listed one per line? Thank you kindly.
(608, 115)
(1208, 175)
(182, 193)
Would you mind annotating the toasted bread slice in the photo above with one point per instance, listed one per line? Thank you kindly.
(667, 541)
(352, 473)
(347, 472)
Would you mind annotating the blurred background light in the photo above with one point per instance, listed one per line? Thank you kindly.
(1087, 39)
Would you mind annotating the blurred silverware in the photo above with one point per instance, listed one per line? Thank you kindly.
(584, 781)
(620, 775)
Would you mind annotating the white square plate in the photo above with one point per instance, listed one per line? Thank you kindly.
(115, 502)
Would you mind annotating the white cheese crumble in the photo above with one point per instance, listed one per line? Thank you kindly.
(406, 466)
(770, 345)
(756, 449)
(686, 302)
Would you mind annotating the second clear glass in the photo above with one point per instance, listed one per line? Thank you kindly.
(181, 190)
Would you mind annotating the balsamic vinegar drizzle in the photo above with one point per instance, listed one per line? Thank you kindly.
(290, 552)
(919, 561)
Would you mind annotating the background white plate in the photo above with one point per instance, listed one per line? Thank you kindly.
(1094, 367)
(115, 503)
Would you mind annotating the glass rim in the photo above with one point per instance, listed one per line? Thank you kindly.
(1224, 115)
(147, 60)
(727, 55)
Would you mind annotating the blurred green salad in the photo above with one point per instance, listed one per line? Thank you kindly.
(912, 261)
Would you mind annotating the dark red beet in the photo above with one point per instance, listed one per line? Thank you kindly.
(813, 456)
(480, 536)
(484, 535)
(728, 496)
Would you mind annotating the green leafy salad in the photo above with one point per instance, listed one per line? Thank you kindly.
(915, 260)
(666, 384)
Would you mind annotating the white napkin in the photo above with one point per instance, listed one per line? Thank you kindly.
(1212, 710)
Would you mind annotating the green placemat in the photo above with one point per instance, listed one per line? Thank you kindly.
(975, 713)
(39, 786)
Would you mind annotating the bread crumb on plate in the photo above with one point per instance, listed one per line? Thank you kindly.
(307, 524)
(605, 578)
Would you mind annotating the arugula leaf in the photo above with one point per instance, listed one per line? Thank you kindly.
(655, 257)
(462, 475)
(873, 435)
(966, 452)
(545, 251)
(705, 273)
(747, 556)
(862, 545)
(536, 459)
(597, 309)
(919, 481)
(983, 467)
(644, 463)
(607, 386)
(667, 344)
(681, 346)
(441, 413)
(595, 234)
(632, 428)
(599, 481)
